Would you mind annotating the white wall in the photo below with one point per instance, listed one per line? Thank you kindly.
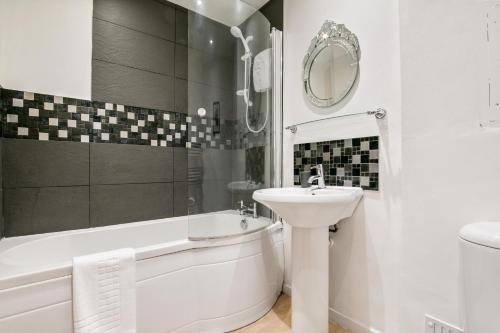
(46, 46)
(397, 259)
(364, 275)
(450, 165)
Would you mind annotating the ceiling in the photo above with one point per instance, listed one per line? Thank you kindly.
(228, 12)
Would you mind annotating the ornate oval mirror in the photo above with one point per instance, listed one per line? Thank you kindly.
(331, 65)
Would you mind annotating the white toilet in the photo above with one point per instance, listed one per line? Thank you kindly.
(480, 255)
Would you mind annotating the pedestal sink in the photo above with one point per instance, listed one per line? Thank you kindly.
(310, 212)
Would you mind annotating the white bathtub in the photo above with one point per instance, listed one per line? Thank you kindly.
(207, 285)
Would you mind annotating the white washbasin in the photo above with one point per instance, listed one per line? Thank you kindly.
(306, 208)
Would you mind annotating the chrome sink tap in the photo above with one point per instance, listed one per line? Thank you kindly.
(319, 177)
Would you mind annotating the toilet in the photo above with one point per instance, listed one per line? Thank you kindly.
(480, 259)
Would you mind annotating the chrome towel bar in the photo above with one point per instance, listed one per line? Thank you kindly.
(378, 113)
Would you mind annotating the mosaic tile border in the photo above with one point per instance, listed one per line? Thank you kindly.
(28, 115)
(349, 162)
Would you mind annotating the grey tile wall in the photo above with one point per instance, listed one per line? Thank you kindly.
(125, 164)
(137, 53)
(181, 164)
(150, 54)
(150, 17)
(54, 186)
(120, 45)
(45, 186)
(209, 68)
(130, 86)
(30, 163)
(2, 224)
(181, 61)
(133, 57)
(1, 183)
(181, 26)
(203, 95)
(125, 62)
(130, 183)
(273, 11)
(181, 198)
(122, 203)
(217, 174)
(34, 210)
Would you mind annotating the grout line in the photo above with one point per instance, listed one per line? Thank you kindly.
(95, 184)
(137, 68)
(90, 211)
(139, 31)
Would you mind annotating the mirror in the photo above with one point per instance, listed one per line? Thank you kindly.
(331, 65)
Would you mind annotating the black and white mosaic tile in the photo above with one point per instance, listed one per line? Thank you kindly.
(27, 115)
(349, 162)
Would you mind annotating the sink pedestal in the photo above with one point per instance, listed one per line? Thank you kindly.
(310, 212)
(310, 249)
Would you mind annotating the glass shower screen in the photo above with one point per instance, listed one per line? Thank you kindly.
(227, 92)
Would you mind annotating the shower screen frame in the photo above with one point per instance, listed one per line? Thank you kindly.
(277, 113)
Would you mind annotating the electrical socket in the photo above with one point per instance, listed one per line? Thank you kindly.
(433, 325)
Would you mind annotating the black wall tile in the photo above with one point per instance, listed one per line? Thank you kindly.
(348, 162)
(216, 196)
(211, 69)
(139, 47)
(1, 157)
(181, 61)
(195, 197)
(46, 209)
(180, 164)
(114, 204)
(181, 194)
(217, 165)
(181, 26)
(273, 11)
(2, 225)
(119, 45)
(129, 86)
(1, 154)
(181, 96)
(124, 164)
(203, 95)
(30, 163)
(148, 16)
(96, 121)
(201, 30)
(1, 177)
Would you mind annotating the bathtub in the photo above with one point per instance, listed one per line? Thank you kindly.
(213, 274)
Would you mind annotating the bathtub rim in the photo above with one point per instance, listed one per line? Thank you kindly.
(41, 274)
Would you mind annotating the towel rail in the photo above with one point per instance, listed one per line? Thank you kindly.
(378, 113)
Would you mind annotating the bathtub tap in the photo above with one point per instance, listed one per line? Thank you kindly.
(247, 211)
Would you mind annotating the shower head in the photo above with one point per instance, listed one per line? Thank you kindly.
(236, 32)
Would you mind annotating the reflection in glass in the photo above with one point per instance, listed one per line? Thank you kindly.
(229, 148)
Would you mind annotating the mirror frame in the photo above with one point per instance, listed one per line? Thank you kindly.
(329, 34)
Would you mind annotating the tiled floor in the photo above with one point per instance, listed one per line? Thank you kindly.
(278, 320)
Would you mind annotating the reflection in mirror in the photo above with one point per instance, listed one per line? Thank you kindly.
(332, 72)
(331, 65)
